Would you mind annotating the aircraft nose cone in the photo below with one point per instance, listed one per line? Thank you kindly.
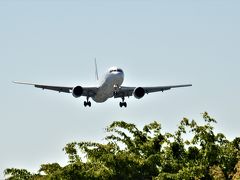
(121, 75)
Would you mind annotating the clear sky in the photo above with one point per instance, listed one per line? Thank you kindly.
(155, 42)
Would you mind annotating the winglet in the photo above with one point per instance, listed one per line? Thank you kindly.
(18, 82)
(96, 69)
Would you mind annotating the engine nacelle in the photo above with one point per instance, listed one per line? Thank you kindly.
(77, 91)
(139, 92)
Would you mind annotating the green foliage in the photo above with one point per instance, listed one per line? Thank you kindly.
(132, 153)
(18, 174)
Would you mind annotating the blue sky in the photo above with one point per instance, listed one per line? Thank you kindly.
(155, 42)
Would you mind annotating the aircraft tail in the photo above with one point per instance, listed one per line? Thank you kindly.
(96, 69)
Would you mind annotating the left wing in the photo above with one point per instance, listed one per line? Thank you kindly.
(53, 88)
(87, 91)
(128, 91)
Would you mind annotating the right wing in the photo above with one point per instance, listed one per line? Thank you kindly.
(128, 91)
(87, 91)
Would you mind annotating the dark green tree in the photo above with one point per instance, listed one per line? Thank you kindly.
(132, 153)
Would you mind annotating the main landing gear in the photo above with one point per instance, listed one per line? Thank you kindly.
(87, 103)
(121, 104)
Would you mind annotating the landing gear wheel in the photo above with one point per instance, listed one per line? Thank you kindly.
(87, 103)
(121, 104)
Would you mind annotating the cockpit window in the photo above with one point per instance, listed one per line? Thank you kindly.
(116, 70)
(120, 70)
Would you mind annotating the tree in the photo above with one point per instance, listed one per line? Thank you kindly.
(131, 153)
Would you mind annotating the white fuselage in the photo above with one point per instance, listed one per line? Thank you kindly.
(110, 84)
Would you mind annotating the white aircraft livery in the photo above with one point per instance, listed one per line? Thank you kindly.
(110, 86)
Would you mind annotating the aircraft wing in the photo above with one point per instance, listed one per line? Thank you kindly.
(128, 91)
(87, 91)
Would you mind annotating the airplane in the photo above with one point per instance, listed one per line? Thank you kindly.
(110, 86)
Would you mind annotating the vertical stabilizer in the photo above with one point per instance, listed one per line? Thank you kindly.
(96, 69)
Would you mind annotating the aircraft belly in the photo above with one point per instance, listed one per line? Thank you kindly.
(103, 94)
(100, 99)
(106, 90)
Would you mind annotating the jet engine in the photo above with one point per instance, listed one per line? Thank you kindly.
(138, 92)
(77, 91)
